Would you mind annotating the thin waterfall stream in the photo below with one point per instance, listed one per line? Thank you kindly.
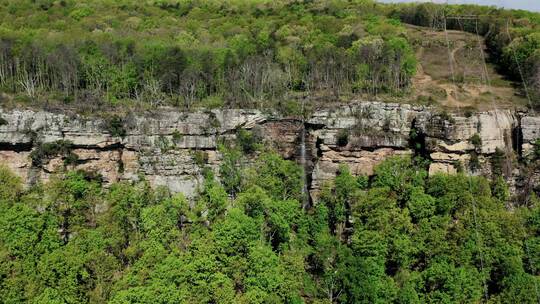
(305, 192)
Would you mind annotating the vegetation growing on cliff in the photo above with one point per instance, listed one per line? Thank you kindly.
(190, 53)
(396, 238)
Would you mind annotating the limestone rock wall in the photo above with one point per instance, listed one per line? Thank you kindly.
(162, 146)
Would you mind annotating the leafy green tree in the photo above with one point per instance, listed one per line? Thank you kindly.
(364, 271)
(499, 188)
(231, 170)
(518, 287)
(213, 198)
(264, 278)
(281, 179)
(63, 269)
(399, 175)
(339, 199)
(420, 204)
(445, 283)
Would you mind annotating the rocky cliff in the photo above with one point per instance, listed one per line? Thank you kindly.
(164, 147)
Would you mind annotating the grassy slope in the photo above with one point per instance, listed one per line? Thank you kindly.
(468, 87)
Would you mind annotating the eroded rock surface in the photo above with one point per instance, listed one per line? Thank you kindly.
(162, 146)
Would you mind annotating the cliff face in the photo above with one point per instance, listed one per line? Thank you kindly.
(163, 147)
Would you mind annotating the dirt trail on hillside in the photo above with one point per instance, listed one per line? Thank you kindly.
(422, 82)
(466, 87)
(421, 78)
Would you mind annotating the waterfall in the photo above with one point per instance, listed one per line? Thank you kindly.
(305, 192)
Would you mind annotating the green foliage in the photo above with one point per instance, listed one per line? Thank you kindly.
(213, 102)
(536, 151)
(384, 64)
(400, 175)
(444, 115)
(213, 198)
(229, 54)
(291, 108)
(476, 141)
(11, 185)
(247, 140)
(497, 162)
(448, 283)
(231, 170)
(339, 198)
(176, 136)
(80, 13)
(342, 137)
(45, 151)
(115, 126)
(200, 158)
(458, 165)
(474, 161)
(163, 143)
(421, 205)
(399, 237)
(499, 188)
(281, 179)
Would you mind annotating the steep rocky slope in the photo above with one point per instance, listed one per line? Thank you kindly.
(165, 147)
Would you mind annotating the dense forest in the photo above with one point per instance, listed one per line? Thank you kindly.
(398, 237)
(234, 53)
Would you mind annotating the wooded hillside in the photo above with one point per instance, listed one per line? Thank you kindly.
(232, 53)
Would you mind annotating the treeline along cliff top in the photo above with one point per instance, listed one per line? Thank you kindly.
(263, 54)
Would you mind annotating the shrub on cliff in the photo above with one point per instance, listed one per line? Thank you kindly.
(476, 141)
(45, 151)
(248, 140)
(115, 126)
(342, 138)
(11, 186)
(497, 162)
(536, 151)
(231, 170)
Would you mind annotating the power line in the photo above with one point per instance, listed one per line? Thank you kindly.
(488, 82)
(520, 70)
(477, 235)
(450, 60)
(474, 17)
(478, 243)
(527, 251)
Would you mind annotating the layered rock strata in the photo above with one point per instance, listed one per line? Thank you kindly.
(162, 146)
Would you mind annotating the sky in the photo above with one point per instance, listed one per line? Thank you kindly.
(531, 5)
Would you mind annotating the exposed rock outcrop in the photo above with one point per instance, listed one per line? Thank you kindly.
(162, 146)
